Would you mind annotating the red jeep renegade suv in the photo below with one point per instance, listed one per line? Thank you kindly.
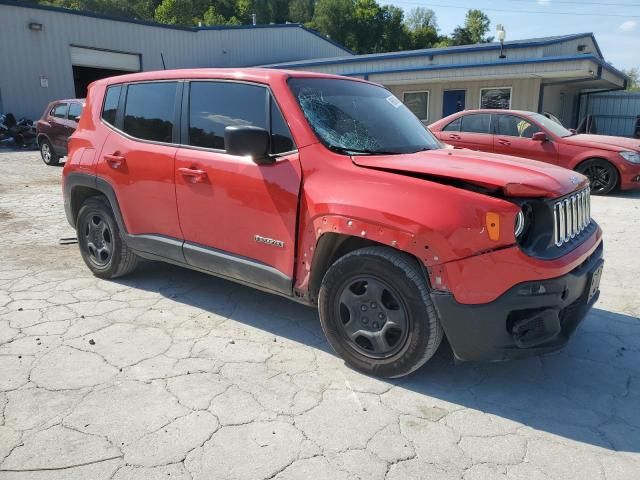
(330, 191)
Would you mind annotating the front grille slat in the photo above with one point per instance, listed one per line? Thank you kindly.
(571, 216)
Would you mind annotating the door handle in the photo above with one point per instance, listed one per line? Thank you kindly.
(116, 160)
(504, 142)
(454, 137)
(193, 174)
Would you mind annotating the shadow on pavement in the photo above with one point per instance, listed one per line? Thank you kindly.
(589, 392)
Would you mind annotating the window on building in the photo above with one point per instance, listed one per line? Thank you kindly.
(418, 103)
(453, 126)
(514, 126)
(75, 109)
(60, 110)
(499, 98)
(149, 111)
(213, 106)
(281, 140)
(111, 104)
(476, 123)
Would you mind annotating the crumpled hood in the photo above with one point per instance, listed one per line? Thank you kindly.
(515, 177)
(604, 141)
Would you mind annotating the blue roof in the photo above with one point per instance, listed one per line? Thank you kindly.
(478, 47)
(36, 6)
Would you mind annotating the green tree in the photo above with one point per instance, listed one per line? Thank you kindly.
(395, 35)
(301, 11)
(212, 17)
(423, 27)
(335, 19)
(476, 26)
(366, 26)
(175, 12)
(634, 79)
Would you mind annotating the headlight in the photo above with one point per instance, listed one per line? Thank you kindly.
(633, 157)
(519, 226)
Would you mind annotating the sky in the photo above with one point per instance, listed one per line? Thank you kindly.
(615, 23)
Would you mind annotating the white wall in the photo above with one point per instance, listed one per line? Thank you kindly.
(524, 94)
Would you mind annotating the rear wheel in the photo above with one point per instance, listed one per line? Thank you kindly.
(602, 175)
(101, 245)
(48, 154)
(377, 314)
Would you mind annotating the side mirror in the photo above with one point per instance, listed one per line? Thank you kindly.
(539, 137)
(573, 130)
(247, 140)
(76, 119)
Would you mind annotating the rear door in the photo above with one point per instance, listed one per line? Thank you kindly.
(238, 217)
(471, 131)
(138, 156)
(514, 137)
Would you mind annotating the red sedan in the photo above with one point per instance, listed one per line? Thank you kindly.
(608, 162)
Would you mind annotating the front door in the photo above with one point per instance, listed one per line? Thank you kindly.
(453, 101)
(238, 217)
(513, 136)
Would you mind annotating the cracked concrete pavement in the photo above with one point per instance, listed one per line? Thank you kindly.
(169, 373)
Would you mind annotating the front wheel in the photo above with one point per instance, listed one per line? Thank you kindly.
(377, 314)
(101, 245)
(603, 176)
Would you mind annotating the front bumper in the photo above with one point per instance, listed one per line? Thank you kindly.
(528, 319)
(630, 177)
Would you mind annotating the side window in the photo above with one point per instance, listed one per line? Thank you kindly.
(111, 104)
(213, 106)
(513, 126)
(60, 110)
(418, 103)
(478, 123)
(149, 111)
(453, 126)
(75, 109)
(281, 140)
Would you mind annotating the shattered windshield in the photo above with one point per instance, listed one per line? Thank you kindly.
(359, 118)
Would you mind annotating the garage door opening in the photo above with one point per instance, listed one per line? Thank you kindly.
(90, 64)
(83, 76)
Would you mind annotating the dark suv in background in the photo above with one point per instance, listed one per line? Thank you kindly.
(58, 122)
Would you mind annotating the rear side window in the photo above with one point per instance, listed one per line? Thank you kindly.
(60, 110)
(513, 126)
(281, 140)
(213, 106)
(453, 126)
(478, 123)
(111, 104)
(149, 111)
(75, 109)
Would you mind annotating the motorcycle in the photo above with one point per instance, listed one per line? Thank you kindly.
(17, 133)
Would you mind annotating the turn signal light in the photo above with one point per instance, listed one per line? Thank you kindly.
(493, 225)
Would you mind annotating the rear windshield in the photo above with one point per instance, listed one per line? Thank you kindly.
(360, 118)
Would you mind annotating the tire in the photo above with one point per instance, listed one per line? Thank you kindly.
(377, 287)
(101, 244)
(48, 154)
(603, 176)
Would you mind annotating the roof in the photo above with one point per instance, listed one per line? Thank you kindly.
(478, 47)
(256, 75)
(82, 13)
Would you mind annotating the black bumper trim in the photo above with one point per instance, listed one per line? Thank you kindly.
(492, 331)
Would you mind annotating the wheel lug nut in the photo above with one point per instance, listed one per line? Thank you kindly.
(363, 308)
(381, 316)
(373, 305)
(375, 325)
(365, 320)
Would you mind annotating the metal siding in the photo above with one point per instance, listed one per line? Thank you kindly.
(615, 113)
(46, 53)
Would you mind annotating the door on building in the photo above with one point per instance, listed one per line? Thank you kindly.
(453, 101)
(90, 64)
